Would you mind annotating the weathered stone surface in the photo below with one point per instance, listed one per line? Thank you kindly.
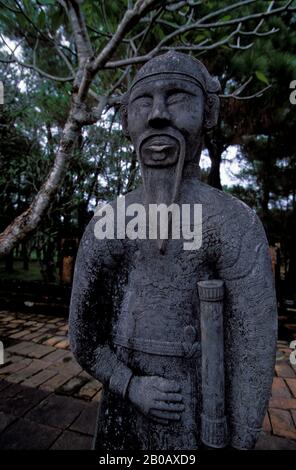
(89, 390)
(41, 338)
(283, 369)
(63, 344)
(86, 375)
(17, 348)
(40, 378)
(280, 389)
(293, 412)
(10, 391)
(70, 368)
(3, 384)
(266, 427)
(15, 367)
(19, 400)
(135, 317)
(38, 351)
(53, 340)
(283, 403)
(292, 386)
(5, 420)
(64, 328)
(282, 424)
(86, 422)
(56, 411)
(72, 441)
(267, 442)
(55, 356)
(33, 368)
(72, 386)
(54, 383)
(98, 396)
(32, 335)
(25, 434)
(21, 334)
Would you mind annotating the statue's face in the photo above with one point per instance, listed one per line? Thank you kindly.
(158, 111)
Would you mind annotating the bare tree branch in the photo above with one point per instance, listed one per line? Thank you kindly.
(38, 70)
(48, 38)
(202, 45)
(238, 45)
(89, 64)
(176, 6)
(236, 93)
(29, 220)
(258, 94)
(243, 19)
(226, 9)
(78, 115)
(151, 23)
(130, 18)
(119, 81)
(200, 25)
(82, 41)
(30, 21)
(103, 9)
(62, 55)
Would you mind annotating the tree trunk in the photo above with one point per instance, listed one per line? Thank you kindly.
(29, 220)
(132, 173)
(215, 154)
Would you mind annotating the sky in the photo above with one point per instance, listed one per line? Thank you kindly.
(229, 167)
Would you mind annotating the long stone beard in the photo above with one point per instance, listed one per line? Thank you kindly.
(162, 185)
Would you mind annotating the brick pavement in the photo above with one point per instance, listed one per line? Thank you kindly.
(37, 355)
(32, 418)
(48, 402)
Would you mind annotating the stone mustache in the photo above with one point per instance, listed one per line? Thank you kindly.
(181, 369)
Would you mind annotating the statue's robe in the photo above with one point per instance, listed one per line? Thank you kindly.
(131, 305)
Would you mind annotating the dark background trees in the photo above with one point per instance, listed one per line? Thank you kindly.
(65, 65)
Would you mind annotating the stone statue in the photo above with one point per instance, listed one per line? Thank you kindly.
(135, 316)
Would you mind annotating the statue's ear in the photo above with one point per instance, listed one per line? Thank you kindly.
(212, 107)
(124, 115)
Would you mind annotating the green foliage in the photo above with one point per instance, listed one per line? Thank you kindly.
(103, 164)
(260, 75)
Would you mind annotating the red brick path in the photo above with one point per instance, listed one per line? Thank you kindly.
(37, 356)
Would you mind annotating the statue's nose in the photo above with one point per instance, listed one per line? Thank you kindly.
(159, 116)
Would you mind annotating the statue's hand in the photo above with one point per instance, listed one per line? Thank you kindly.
(157, 398)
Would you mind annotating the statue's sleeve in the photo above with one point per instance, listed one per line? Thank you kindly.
(91, 311)
(250, 323)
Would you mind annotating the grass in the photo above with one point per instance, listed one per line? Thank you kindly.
(18, 273)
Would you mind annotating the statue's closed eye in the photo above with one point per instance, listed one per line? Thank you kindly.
(177, 97)
(143, 100)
